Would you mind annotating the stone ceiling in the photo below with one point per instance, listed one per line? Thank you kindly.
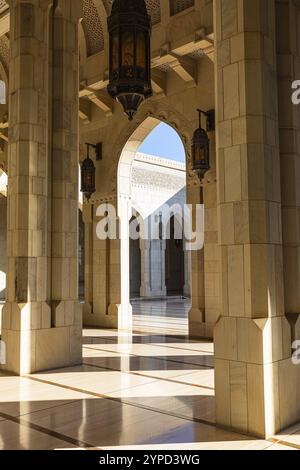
(153, 7)
(93, 24)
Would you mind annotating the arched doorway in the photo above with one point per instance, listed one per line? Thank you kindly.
(3, 237)
(153, 268)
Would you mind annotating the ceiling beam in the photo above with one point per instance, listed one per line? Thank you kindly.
(159, 81)
(102, 100)
(185, 68)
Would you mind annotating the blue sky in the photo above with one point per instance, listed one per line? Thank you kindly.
(164, 142)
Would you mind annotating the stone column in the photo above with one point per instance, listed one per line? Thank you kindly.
(41, 318)
(3, 263)
(88, 219)
(97, 295)
(64, 170)
(163, 248)
(107, 303)
(157, 255)
(252, 336)
(145, 268)
(153, 252)
(288, 60)
(211, 250)
(197, 311)
(187, 263)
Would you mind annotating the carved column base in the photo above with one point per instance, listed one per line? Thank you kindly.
(32, 345)
(197, 327)
(256, 379)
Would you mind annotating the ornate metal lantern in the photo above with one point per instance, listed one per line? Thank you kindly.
(129, 29)
(88, 175)
(200, 146)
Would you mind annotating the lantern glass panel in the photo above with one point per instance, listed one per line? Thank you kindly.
(127, 49)
(141, 50)
(200, 154)
(88, 180)
(115, 52)
(130, 74)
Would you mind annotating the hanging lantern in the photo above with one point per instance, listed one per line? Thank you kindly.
(200, 149)
(129, 28)
(88, 174)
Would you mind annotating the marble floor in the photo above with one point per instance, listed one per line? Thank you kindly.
(153, 389)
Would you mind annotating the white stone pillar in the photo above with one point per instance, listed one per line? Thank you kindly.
(157, 253)
(187, 268)
(41, 318)
(102, 277)
(64, 171)
(163, 248)
(3, 251)
(153, 253)
(88, 220)
(211, 252)
(252, 337)
(197, 311)
(145, 269)
(288, 57)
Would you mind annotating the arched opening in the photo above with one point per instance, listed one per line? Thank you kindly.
(80, 256)
(135, 261)
(155, 268)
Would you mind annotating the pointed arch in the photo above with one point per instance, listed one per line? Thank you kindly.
(158, 113)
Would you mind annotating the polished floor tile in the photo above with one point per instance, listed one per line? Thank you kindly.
(153, 389)
(20, 396)
(14, 436)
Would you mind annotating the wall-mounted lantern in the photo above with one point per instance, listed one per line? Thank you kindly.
(88, 171)
(200, 144)
(129, 28)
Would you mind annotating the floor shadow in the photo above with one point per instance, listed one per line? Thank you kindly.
(146, 363)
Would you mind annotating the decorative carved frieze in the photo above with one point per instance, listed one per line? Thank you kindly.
(93, 28)
(3, 6)
(157, 172)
